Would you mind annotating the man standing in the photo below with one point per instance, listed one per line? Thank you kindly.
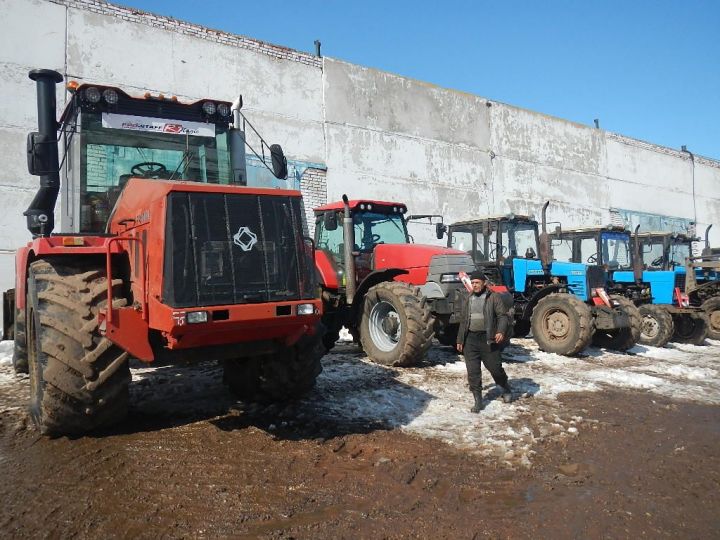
(484, 330)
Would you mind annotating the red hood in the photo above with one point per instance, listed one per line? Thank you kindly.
(409, 255)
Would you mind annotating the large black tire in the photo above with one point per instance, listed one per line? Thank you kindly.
(690, 328)
(330, 338)
(657, 325)
(562, 324)
(285, 375)
(623, 338)
(78, 378)
(20, 354)
(396, 327)
(712, 308)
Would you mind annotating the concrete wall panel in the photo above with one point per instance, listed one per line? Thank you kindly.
(528, 136)
(33, 34)
(382, 101)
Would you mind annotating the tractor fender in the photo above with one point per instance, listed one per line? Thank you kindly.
(372, 279)
(432, 290)
(542, 293)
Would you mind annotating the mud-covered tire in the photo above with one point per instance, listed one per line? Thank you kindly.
(562, 324)
(78, 378)
(657, 325)
(623, 338)
(20, 357)
(712, 308)
(396, 327)
(330, 338)
(691, 328)
(285, 375)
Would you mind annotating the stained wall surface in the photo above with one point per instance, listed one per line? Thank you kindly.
(350, 129)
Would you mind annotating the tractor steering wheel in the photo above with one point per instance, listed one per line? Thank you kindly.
(657, 262)
(149, 169)
(375, 238)
(592, 258)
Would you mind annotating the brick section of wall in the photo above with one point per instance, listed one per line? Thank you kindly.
(313, 185)
(168, 23)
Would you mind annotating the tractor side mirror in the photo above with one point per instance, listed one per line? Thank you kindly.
(440, 230)
(38, 154)
(330, 221)
(279, 162)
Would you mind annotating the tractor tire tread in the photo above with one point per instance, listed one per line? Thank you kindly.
(582, 316)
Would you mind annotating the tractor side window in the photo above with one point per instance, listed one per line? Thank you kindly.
(462, 240)
(653, 255)
(678, 253)
(519, 240)
(330, 241)
(616, 251)
(562, 250)
(588, 251)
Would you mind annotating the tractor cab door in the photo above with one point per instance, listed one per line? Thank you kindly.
(518, 251)
(479, 240)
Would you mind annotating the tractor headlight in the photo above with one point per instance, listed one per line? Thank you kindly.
(194, 317)
(450, 278)
(110, 96)
(92, 94)
(306, 309)
(209, 108)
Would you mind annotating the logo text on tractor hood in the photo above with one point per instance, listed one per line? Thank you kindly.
(245, 238)
(157, 125)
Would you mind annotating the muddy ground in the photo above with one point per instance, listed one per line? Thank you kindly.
(605, 445)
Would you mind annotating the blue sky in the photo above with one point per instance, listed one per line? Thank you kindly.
(646, 69)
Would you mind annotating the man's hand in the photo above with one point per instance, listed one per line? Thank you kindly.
(459, 347)
(499, 337)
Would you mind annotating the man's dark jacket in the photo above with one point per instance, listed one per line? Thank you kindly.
(497, 318)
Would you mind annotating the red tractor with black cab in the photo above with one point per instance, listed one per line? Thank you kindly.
(167, 254)
(393, 296)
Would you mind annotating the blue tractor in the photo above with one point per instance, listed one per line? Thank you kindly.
(635, 271)
(564, 304)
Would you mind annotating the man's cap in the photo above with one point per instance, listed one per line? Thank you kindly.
(477, 274)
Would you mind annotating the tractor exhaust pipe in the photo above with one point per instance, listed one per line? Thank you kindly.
(349, 236)
(706, 250)
(637, 257)
(43, 155)
(544, 240)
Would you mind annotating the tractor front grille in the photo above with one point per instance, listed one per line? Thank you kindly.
(234, 249)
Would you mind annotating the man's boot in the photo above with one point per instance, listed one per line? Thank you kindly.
(478, 403)
(507, 395)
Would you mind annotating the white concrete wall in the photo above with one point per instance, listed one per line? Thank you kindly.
(381, 135)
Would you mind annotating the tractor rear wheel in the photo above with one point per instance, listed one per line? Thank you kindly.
(78, 378)
(621, 339)
(282, 376)
(396, 328)
(690, 328)
(712, 308)
(562, 324)
(20, 354)
(657, 325)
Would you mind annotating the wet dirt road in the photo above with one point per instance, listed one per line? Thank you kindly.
(611, 460)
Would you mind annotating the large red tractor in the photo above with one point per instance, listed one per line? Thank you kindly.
(392, 295)
(167, 255)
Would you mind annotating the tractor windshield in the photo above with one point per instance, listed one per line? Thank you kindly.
(519, 239)
(372, 228)
(616, 250)
(679, 251)
(116, 147)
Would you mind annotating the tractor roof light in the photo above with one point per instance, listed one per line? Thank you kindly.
(369, 206)
(362, 206)
(209, 108)
(223, 109)
(92, 95)
(110, 96)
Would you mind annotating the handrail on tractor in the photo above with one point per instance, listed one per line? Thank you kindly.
(108, 270)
